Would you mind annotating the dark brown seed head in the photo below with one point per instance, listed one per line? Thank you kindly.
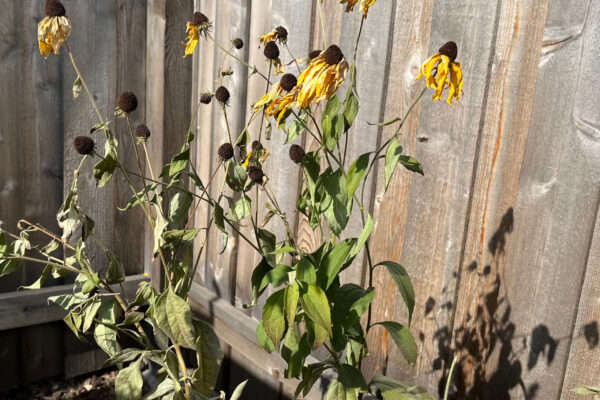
(271, 51)
(297, 153)
(200, 19)
(127, 102)
(54, 8)
(314, 54)
(222, 94)
(142, 132)
(83, 144)
(256, 145)
(238, 43)
(256, 174)
(282, 33)
(225, 151)
(450, 50)
(333, 55)
(205, 98)
(288, 82)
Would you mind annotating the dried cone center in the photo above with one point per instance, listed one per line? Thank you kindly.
(54, 8)
(271, 51)
(333, 55)
(282, 33)
(222, 94)
(288, 82)
(449, 50)
(200, 19)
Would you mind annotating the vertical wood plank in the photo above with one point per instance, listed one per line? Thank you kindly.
(30, 130)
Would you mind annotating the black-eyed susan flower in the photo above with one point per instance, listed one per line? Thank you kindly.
(222, 95)
(280, 34)
(297, 153)
(441, 71)
(200, 25)
(257, 156)
(54, 29)
(322, 78)
(271, 52)
(280, 98)
(364, 5)
(225, 151)
(126, 103)
(256, 175)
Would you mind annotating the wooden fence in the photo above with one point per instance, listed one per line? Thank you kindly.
(501, 237)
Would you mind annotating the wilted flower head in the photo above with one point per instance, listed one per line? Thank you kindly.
(127, 103)
(83, 145)
(256, 175)
(280, 34)
(322, 78)
(206, 97)
(280, 98)
(225, 151)
(364, 5)
(199, 25)
(297, 153)
(313, 54)
(142, 132)
(441, 71)
(54, 29)
(238, 43)
(222, 95)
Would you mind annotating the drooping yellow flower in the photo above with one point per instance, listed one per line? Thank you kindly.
(54, 29)
(201, 24)
(279, 33)
(441, 71)
(257, 156)
(364, 5)
(322, 78)
(280, 98)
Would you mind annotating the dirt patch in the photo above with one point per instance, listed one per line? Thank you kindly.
(87, 387)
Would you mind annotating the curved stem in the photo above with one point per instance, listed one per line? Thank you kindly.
(322, 22)
(252, 67)
(450, 378)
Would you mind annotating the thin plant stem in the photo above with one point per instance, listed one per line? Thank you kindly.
(183, 369)
(223, 107)
(322, 22)
(252, 67)
(137, 158)
(450, 378)
(293, 58)
(148, 160)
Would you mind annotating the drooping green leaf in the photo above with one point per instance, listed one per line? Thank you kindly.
(336, 210)
(240, 209)
(400, 276)
(116, 271)
(403, 339)
(139, 197)
(263, 339)
(350, 108)
(411, 164)
(332, 107)
(392, 157)
(316, 306)
(129, 382)
(160, 224)
(350, 303)
(163, 389)
(236, 176)
(278, 275)
(356, 173)
(364, 236)
(305, 271)
(179, 206)
(66, 301)
(351, 377)
(292, 294)
(183, 236)
(310, 374)
(89, 312)
(132, 318)
(77, 87)
(337, 391)
(332, 263)
(178, 163)
(392, 389)
(174, 317)
(297, 127)
(106, 337)
(266, 243)
(273, 319)
(104, 170)
(40, 281)
(237, 393)
(587, 390)
(259, 280)
(209, 356)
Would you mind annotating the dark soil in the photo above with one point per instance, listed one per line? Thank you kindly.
(87, 387)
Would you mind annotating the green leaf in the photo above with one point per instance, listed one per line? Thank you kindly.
(310, 374)
(77, 87)
(332, 107)
(89, 313)
(97, 127)
(138, 198)
(350, 108)
(259, 280)
(336, 210)
(104, 170)
(337, 391)
(351, 377)
(357, 172)
(106, 337)
(392, 157)
(292, 294)
(160, 225)
(278, 275)
(129, 382)
(316, 306)
(391, 389)
(116, 271)
(240, 209)
(400, 276)
(586, 390)
(185, 236)
(350, 303)
(411, 164)
(333, 127)
(263, 339)
(178, 163)
(364, 236)
(273, 319)
(162, 390)
(40, 281)
(297, 128)
(179, 206)
(174, 317)
(332, 263)
(236, 176)
(66, 301)
(403, 339)
(132, 318)
(266, 243)
(209, 356)
(305, 271)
